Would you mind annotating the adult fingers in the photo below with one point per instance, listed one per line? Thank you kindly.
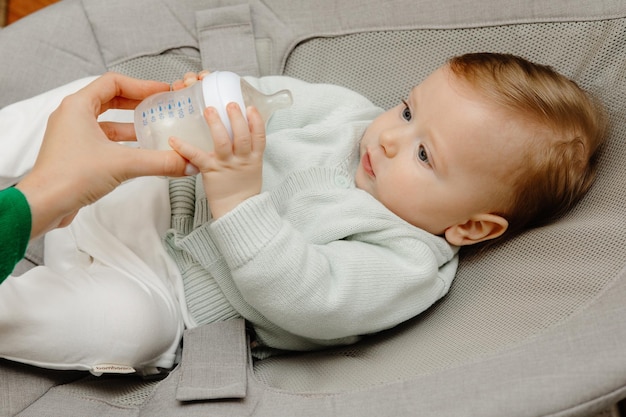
(119, 132)
(142, 162)
(114, 90)
(178, 85)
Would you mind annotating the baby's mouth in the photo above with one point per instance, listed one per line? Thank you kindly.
(367, 164)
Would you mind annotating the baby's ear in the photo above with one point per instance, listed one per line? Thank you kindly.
(478, 228)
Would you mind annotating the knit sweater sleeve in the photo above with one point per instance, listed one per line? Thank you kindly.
(358, 285)
(15, 225)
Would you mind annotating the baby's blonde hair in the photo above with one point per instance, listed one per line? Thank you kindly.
(566, 127)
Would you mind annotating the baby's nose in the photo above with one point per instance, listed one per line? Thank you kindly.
(389, 142)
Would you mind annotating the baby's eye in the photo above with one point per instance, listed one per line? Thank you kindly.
(422, 154)
(406, 112)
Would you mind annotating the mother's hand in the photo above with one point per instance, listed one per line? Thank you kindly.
(79, 161)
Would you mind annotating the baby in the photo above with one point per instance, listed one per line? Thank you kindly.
(338, 222)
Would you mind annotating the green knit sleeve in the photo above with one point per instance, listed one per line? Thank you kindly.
(15, 226)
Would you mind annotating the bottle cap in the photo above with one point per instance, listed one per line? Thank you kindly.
(220, 88)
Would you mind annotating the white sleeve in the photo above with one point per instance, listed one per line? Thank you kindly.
(22, 126)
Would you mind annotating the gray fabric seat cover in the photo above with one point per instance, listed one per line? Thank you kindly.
(534, 327)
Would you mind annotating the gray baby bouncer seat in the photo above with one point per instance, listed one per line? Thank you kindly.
(533, 327)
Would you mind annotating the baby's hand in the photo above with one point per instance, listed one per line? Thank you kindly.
(232, 172)
(189, 79)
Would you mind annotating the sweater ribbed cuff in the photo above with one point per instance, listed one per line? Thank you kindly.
(242, 232)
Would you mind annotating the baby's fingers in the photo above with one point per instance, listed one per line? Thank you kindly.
(222, 144)
(242, 138)
(199, 159)
(189, 79)
(257, 129)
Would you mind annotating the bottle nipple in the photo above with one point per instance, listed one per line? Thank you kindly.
(266, 104)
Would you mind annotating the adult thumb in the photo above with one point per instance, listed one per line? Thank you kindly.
(147, 162)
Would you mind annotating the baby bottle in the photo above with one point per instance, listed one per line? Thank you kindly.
(180, 113)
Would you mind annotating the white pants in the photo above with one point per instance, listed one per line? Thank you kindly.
(107, 299)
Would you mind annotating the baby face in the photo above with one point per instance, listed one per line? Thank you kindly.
(440, 158)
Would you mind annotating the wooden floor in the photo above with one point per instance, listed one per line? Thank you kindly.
(20, 8)
(3, 12)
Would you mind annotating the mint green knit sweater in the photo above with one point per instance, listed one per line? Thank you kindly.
(312, 261)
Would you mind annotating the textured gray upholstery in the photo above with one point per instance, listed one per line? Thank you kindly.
(534, 327)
